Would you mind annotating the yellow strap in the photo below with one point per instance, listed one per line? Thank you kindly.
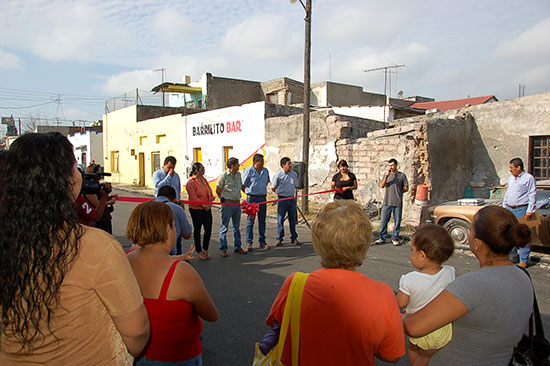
(292, 311)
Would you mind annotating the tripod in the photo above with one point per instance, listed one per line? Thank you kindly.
(300, 211)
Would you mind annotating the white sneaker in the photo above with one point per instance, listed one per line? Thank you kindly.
(380, 241)
(395, 242)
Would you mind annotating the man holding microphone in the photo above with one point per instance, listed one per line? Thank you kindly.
(395, 184)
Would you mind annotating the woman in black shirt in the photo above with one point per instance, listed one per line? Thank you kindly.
(345, 180)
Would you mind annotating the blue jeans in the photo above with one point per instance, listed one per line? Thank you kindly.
(282, 208)
(232, 213)
(385, 218)
(526, 250)
(261, 221)
(144, 361)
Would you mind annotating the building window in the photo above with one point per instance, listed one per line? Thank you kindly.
(227, 153)
(539, 157)
(197, 154)
(114, 161)
(273, 98)
(142, 139)
(155, 161)
(158, 137)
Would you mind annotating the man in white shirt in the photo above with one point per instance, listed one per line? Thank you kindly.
(520, 198)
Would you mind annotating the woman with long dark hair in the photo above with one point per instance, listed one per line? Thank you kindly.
(68, 295)
(489, 308)
(199, 190)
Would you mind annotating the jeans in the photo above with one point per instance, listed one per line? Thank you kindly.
(261, 221)
(177, 249)
(385, 218)
(144, 361)
(201, 218)
(232, 213)
(282, 208)
(526, 250)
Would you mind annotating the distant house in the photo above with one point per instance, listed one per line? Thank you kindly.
(445, 105)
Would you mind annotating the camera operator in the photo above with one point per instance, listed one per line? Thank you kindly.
(95, 206)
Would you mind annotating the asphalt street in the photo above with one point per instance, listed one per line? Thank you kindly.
(243, 287)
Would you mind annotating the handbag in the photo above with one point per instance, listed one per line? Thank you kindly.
(532, 349)
(292, 311)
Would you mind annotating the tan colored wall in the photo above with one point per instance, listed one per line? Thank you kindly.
(122, 133)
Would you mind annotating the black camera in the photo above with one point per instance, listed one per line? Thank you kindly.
(91, 185)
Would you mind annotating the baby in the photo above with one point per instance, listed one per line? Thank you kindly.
(431, 246)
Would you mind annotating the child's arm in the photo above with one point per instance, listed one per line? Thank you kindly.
(402, 299)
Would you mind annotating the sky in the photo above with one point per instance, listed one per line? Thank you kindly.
(61, 60)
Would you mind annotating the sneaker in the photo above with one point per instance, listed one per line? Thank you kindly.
(249, 248)
(278, 243)
(296, 242)
(380, 241)
(396, 242)
(224, 253)
(240, 251)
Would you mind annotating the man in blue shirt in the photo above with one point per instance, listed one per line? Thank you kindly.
(520, 198)
(184, 229)
(167, 176)
(255, 180)
(284, 184)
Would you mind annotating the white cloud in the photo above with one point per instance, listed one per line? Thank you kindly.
(262, 37)
(172, 26)
(128, 81)
(531, 46)
(9, 61)
(364, 22)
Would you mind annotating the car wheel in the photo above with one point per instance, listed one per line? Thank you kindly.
(459, 230)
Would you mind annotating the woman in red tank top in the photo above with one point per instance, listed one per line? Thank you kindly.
(174, 294)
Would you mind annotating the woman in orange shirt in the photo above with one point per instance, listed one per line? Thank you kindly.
(199, 190)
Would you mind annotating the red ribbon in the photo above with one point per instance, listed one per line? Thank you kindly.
(251, 209)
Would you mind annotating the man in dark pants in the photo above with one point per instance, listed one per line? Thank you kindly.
(284, 184)
(255, 180)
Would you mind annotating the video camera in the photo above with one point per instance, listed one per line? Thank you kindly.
(91, 185)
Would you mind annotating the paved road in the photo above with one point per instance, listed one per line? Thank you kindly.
(244, 286)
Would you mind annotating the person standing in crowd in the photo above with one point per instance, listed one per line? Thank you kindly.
(228, 190)
(255, 180)
(69, 296)
(284, 184)
(199, 190)
(175, 295)
(520, 198)
(395, 184)
(344, 180)
(489, 308)
(341, 309)
(167, 176)
(167, 194)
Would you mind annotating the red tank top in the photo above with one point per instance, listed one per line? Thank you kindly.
(175, 327)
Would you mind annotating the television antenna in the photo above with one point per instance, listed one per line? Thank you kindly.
(387, 71)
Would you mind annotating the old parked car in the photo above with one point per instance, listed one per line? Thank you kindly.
(456, 216)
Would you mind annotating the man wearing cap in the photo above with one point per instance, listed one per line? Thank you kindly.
(284, 184)
(395, 184)
(520, 198)
(255, 180)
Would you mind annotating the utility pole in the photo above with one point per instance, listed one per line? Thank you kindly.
(162, 70)
(307, 88)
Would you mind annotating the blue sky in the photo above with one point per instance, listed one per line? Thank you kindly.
(62, 59)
